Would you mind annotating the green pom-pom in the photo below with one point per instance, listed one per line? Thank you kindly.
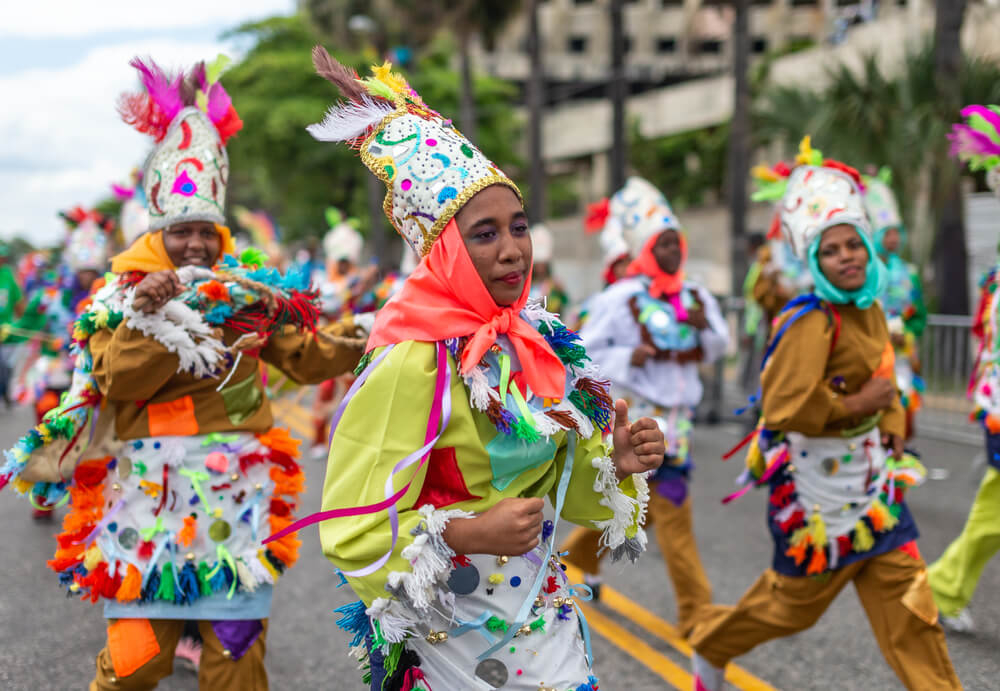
(166, 589)
(203, 580)
(525, 430)
(253, 257)
(538, 624)
(495, 623)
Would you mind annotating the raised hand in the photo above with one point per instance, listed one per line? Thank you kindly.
(638, 446)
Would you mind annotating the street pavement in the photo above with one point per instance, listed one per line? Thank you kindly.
(49, 642)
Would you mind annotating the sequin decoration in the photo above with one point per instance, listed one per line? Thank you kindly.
(219, 531)
(128, 538)
(493, 672)
(464, 580)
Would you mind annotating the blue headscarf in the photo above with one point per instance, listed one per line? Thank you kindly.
(865, 296)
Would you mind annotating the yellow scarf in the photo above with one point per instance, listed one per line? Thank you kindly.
(148, 253)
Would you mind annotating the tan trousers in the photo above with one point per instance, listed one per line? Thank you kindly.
(893, 590)
(215, 673)
(675, 535)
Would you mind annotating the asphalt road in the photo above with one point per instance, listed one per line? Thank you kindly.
(49, 642)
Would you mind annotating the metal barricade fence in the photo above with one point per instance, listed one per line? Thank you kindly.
(946, 352)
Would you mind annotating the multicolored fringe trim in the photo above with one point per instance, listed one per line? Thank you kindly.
(83, 569)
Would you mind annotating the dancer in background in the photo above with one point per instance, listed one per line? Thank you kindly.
(954, 576)
(903, 298)
(545, 286)
(830, 450)
(648, 333)
(474, 408)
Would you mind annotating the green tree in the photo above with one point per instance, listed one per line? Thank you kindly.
(276, 165)
(688, 166)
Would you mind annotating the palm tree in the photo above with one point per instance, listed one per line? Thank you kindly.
(864, 117)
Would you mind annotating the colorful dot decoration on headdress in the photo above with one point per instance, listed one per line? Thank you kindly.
(977, 141)
(813, 193)
(190, 117)
(429, 168)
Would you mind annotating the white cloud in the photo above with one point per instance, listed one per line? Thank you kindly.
(64, 144)
(75, 17)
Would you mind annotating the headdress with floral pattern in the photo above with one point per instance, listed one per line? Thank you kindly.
(429, 168)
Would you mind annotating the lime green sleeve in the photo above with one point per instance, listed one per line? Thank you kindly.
(32, 319)
(595, 498)
(385, 422)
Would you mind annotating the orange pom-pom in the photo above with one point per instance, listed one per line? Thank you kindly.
(131, 587)
(287, 548)
(288, 483)
(993, 423)
(798, 552)
(186, 535)
(818, 562)
(278, 439)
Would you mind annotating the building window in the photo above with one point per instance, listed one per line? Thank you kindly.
(628, 43)
(583, 2)
(805, 3)
(758, 45)
(712, 46)
(577, 44)
(666, 45)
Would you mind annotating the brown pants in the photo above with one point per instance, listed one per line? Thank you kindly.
(675, 535)
(893, 590)
(216, 671)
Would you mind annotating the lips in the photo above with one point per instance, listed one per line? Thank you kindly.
(512, 279)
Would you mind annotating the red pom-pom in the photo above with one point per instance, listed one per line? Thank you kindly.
(91, 473)
(146, 549)
(597, 216)
(844, 168)
(229, 125)
(843, 545)
(280, 507)
(782, 169)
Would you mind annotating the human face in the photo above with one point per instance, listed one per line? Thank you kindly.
(843, 257)
(196, 243)
(344, 266)
(667, 250)
(890, 240)
(86, 278)
(494, 228)
(619, 268)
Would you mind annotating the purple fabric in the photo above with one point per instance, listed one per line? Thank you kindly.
(237, 635)
(675, 489)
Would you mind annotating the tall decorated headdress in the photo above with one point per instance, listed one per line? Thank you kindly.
(342, 241)
(88, 240)
(639, 211)
(813, 194)
(977, 141)
(429, 168)
(190, 117)
(880, 202)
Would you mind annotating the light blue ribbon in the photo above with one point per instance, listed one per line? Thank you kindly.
(529, 601)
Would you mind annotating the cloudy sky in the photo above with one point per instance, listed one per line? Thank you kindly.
(62, 65)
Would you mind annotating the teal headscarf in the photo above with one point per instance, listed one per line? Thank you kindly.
(865, 296)
(880, 236)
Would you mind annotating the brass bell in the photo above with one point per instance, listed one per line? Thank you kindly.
(539, 601)
(227, 653)
(234, 477)
(189, 556)
(852, 446)
(258, 487)
(557, 602)
(116, 487)
(502, 560)
(524, 630)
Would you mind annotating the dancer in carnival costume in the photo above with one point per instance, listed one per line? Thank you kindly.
(11, 307)
(830, 450)
(473, 406)
(954, 576)
(165, 444)
(903, 297)
(648, 333)
(45, 325)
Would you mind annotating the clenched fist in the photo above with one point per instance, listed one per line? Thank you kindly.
(510, 527)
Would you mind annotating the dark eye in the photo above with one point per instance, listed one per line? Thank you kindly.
(486, 234)
(520, 228)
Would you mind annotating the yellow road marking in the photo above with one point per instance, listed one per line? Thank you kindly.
(735, 675)
(656, 662)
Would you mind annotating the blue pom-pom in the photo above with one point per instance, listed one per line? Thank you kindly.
(354, 620)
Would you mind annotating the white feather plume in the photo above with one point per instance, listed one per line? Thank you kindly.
(347, 121)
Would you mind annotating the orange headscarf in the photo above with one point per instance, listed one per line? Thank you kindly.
(148, 254)
(445, 298)
(664, 284)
